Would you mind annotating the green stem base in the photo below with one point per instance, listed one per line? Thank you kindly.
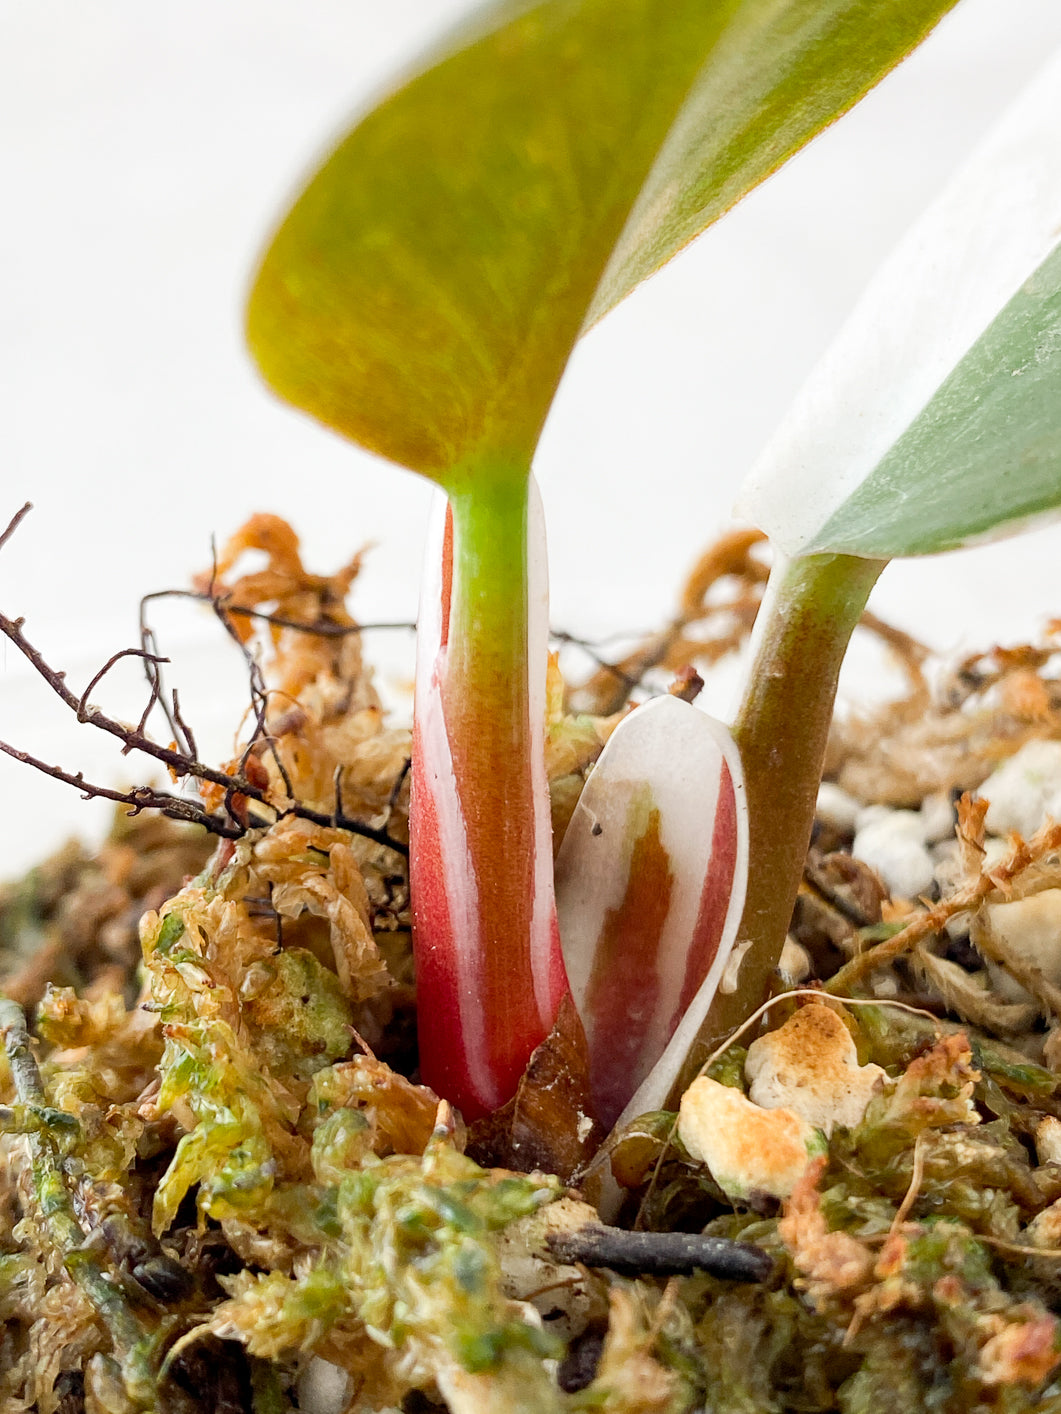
(809, 613)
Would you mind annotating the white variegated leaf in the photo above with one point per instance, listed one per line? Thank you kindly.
(650, 884)
(935, 418)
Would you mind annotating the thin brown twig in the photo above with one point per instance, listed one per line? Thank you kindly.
(133, 738)
(320, 628)
(604, 664)
(153, 696)
(917, 1175)
(1021, 856)
(153, 673)
(138, 799)
(258, 690)
(731, 556)
(83, 703)
(181, 763)
(14, 523)
(189, 735)
(399, 781)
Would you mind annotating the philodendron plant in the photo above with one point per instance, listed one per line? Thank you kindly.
(423, 296)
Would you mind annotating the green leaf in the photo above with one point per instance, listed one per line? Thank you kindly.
(984, 453)
(425, 292)
(935, 419)
(782, 73)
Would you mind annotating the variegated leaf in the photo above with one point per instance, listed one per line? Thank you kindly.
(650, 886)
(935, 418)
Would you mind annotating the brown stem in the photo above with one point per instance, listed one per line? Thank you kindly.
(810, 610)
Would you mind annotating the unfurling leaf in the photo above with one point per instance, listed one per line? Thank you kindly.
(650, 886)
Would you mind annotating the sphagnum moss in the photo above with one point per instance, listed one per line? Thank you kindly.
(224, 1182)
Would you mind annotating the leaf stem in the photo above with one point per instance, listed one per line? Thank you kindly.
(810, 610)
(489, 992)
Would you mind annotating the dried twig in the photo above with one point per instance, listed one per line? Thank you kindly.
(153, 672)
(139, 798)
(320, 628)
(184, 729)
(182, 763)
(917, 1175)
(661, 1253)
(14, 523)
(731, 556)
(998, 879)
(604, 665)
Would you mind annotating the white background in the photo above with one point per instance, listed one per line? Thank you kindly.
(145, 150)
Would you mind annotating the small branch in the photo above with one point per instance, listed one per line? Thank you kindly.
(153, 697)
(138, 799)
(83, 702)
(321, 628)
(968, 898)
(153, 672)
(662, 1254)
(183, 726)
(14, 523)
(399, 781)
(730, 557)
(182, 764)
(259, 692)
(260, 706)
(624, 678)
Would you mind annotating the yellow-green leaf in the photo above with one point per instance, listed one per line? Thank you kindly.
(782, 72)
(425, 291)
